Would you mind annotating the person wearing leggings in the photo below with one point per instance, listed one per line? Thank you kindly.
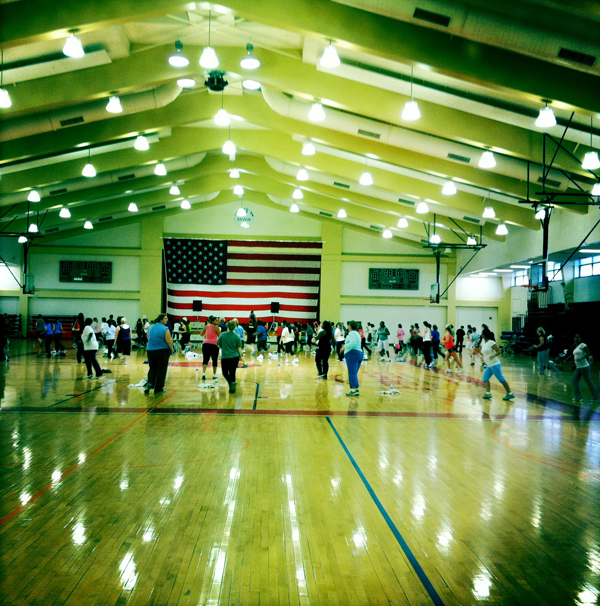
(324, 340)
(231, 348)
(353, 355)
(581, 355)
(210, 349)
(426, 343)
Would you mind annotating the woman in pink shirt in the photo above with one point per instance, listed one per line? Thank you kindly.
(400, 332)
(210, 349)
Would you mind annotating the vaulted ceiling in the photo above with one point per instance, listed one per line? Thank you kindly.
(480, 77)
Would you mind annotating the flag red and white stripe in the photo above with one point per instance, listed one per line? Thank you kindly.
(258, 273)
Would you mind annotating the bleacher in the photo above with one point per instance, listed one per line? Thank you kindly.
(14, 324)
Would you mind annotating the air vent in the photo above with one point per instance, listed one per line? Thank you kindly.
(376, 227)
(51, 230)
(366, 133)
(72, 121)
(471, 220)
(459, 158)
(104, 219)
(406, 202)
(126, 177)
(161, 207)
(56, 192)
(550, 182)
(430, 17)
(341, 185)
(581, 58)
(325, 214)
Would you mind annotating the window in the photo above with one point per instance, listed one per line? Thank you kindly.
(554, 275)
(522, 277)
(590, 266)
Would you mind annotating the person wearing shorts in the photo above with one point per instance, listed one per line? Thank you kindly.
(210, 349)
(287, 338)
(448, 343)
(490, 351)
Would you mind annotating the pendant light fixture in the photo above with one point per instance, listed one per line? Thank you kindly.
(88, 169)
(402, 222)
(366, 179)
(302, 175)
(234, 173)
(33, 196)
(541, 213)
(411, 112)
(387, 234)
(238, 190)
(250, 61)
(596, 190)
(435, 239)
(449, 188)
(341, 214)
(186, 82)
(5, 101)
(308, 149)
(132, 208)
(471, 241)
(294, 208)
(590, 160)
(185, 204)
(73, 47)
(160, 170)
(422, 208)
(114, 105)
(33, 228)
(88, 225)
(297, 194)
(22, 240)
(502, 230)
(208, 59)
(174, 191)
(251, 84)
(489, 212)
(222, 118)
(241, 211)
(546, 118)
(329, 58)
(178, 58)
(64, 213)
(229, 148)
(141, 143)
(316, 113)
(487, 160)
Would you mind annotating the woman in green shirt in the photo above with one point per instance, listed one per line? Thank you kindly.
(231, 351)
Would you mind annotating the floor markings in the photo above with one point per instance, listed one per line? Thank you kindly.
(76, 395)
(256, 396)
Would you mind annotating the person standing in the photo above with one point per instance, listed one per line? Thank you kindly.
(109, 343)
(475, 346)
(59, 348)
(400, 334)
(427, 343)
(287, 338)
(363, 344)
(490, 351)
(48, 335)
(210, 348)
(123, 338)
(239, 331)
(354, 355)
(261, 337)
(460, 339)
(278, 333)
(418, 342)
(89, 344)
(309, 336)
(139, 333)
(339, 337)
(176, 327)
(448, 343)
(186, 334)
(76, 331)
(582, 356)
(383, 342)
(96, 329)
(251, 332)
(435, 344)
(543, 351)
(324, 341)
(231, 352)
(158, 349)
(40, 333)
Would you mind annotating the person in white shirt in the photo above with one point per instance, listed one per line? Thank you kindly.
(490, 352)
(90, 348)
(109, 341)
(582, 356)
(287, 338)
(339, 337)
(176, 328)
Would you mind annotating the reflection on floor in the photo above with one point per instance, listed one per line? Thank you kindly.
(289, 492)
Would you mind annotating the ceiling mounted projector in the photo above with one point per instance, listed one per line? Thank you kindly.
(216, 82)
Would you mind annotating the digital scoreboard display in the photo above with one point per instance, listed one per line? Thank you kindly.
(98, 272)
(393, 279)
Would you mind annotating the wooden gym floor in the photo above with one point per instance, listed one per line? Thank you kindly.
(289, 492)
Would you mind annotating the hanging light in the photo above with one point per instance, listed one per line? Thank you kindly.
(88, 225)
(308, 149)
(245, 224)
(302, 175)
(540, 214)
(422, 208)
(449, 188)
(174, 191)
(502, 230)
(22, 240)
(132, 208)
(329, 58)
(546, 118)
(141, 143)
(114, 105)
(33, 228)
(185, 204)
(411, 112)
(489, 212)
(402, 222)
(341, 214)
(33, 196)
(241, 211)
(251, 84)
(316, 113)
(596, 190)
(88, 169)
(178, 58)
(73, 47)
(387, 233)
(294, 208)
(229, 148)
(435, 239)
(5, 101)
(297, 194)
(487, 160)
(209, 59)
(160, 170)
(222, 118)
(186, 82)
(471, 241)
(590, 160)
(234, 173)
(366, 179)
(64, 213)
(238, 190)
(250, 61)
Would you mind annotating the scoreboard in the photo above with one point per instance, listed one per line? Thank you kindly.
(98, 272)
(393, 279)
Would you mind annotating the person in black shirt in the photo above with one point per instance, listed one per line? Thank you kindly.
(460, 339)
(251, 332)
(324, 341)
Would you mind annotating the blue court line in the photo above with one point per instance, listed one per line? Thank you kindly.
(256, 396)
(433, 594)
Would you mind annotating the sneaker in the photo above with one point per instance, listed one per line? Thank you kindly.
(487, 396)
(147, 388)
(232, 388)
(90, 377)
(125, 362)
(576, 401)
(472, 363)
(353, 392)
(382, 359)
(287, 361)
(295, 361)
(460, 371)
(448, 371)
(112, 357)
(509, 396)
(485, 366)
(203, 377)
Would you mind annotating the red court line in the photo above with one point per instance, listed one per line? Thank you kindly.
(9, 516)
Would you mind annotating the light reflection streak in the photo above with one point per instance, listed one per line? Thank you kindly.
(56, 476)
(177, 482)
(486, 511)
(128, 575)
(398, 479)
(26, 458)
(360, 538)
(79, 534)
(296, 542)
(124, 485)
(148, 534)
(594, 560)
(444, 538)
(536, 516)
(418, 509)
(589, 595)
(24, 497)
(81, 458)
(481, 586)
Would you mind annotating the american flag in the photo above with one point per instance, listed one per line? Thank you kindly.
(234, 277)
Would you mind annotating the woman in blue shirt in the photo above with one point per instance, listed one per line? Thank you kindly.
(261, 337)
(353, 354)
(48, 335)
(435, 344)
(159, 348)
(59, 348)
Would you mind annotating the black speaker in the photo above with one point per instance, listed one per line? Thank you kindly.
(196, 305)
(274, 307)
